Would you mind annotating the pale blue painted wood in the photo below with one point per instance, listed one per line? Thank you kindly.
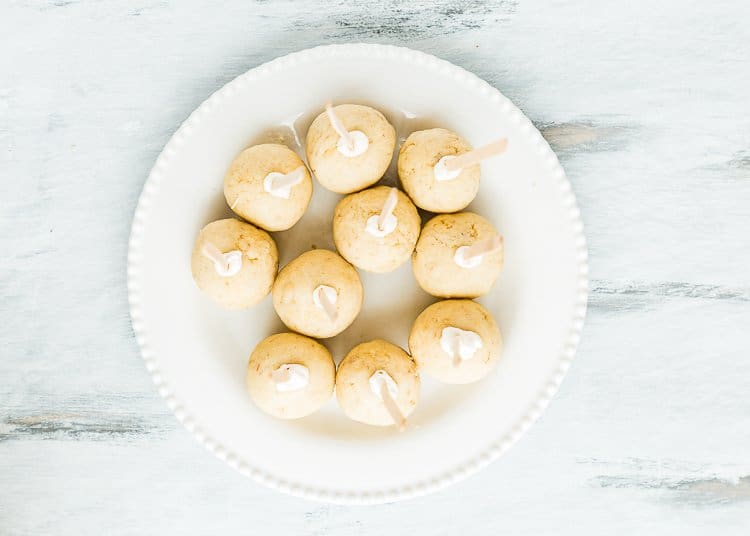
(645, 102)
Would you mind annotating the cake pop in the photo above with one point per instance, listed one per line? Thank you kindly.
(290, 376)
(456, 341)
(269, 186)
(349, 147)
(377, 383)
(234, 263)
(458, 256)
(440, 171)
(318, 294)
(376, 229)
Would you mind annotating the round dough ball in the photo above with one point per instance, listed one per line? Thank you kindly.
(252, 249)
(428, 341)
(369, 251)
(344, 174)
(416, 169)
(353, 390)
(244, 187)
(433, 261)
(293, 293)
(294, 395)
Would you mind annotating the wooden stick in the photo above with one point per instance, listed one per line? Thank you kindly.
(456, 351)
(391, 406)
(236, 200)
(213, 253)
(477, 155)
(388, 207)
(285, 179)
(289, 179)
(328, 307)
(338, 126)
(483, 247)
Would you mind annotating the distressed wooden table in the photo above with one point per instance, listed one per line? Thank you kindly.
(645, 102)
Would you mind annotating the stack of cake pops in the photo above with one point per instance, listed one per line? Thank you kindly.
(456, 256)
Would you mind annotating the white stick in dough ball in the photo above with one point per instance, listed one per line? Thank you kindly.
(269, 186)
(440, 191)
(458, 256)
(440, 171)
(290, 376)
(377, 383)
(376, 229)
(455, 341)
(234, 263)
(349, 147)
(318, 294)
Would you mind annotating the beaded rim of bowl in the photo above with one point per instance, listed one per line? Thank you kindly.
(501, 443)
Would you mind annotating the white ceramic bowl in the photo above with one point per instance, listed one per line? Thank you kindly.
(197, 353)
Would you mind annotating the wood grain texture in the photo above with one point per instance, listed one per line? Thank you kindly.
(646, 104)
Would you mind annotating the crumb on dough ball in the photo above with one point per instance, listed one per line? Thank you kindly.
(254, 262)
(245, 187)
(293, 293)
(448, 328)
(366, 249)
(434, 264)
(290, 376)
(416, 169)
(346, 174)
(353, 388)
